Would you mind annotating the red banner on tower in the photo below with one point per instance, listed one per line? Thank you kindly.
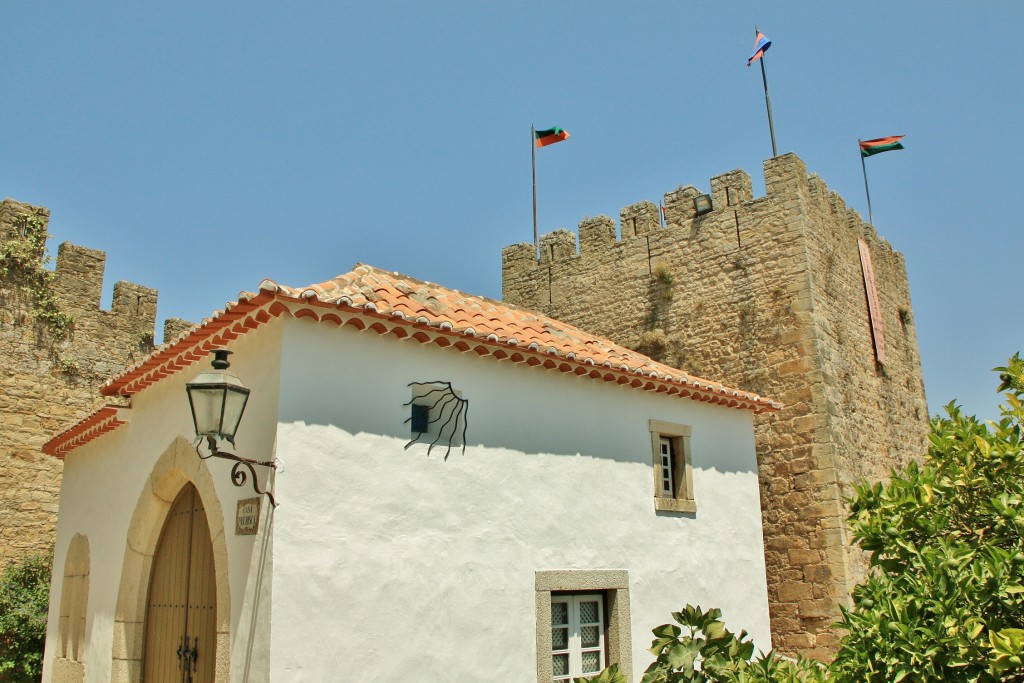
(874, 308)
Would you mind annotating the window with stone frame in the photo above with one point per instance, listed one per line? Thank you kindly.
(582, 623)
(673, 472)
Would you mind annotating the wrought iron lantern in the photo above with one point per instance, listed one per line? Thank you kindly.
(217, 399)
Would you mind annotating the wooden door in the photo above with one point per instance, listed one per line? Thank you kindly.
(180, 637)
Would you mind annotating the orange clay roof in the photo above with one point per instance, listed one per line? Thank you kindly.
(390, 303)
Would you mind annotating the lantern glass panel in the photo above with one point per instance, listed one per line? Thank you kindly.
(234, 406)
(218, 401)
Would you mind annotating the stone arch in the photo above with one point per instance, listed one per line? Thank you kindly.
(69, 660)
(179, 464)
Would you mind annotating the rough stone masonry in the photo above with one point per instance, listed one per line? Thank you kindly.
(766, 294)
(47, 382)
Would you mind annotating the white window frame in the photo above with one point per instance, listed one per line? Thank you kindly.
(612, 588)
(673, 471)
(666, 467)
(574, 647)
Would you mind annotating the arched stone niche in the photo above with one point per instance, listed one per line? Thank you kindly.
(69, 660)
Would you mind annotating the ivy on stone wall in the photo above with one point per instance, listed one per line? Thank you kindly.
(655, 341)
(23, 260)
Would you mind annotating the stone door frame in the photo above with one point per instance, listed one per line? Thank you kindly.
(177, 466)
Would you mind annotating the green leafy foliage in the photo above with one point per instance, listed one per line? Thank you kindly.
(700, 649)
(945, 596)
(24, 600)
(610, 675)
(705, 651)
(22, 264)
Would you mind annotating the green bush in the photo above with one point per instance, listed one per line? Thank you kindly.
(945, 596)
(24, 599)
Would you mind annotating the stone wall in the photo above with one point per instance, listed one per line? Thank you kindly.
(47, 382)
(765, 294)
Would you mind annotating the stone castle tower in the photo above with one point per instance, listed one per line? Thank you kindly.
(56, 348)
(775, 295)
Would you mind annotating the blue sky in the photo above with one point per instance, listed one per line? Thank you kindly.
(206, 146)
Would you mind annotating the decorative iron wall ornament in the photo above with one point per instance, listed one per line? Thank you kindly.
(445, 409)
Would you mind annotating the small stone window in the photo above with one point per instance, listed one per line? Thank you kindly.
(437, 416)
(673, 473)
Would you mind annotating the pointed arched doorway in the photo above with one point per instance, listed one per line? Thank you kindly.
(181, 609)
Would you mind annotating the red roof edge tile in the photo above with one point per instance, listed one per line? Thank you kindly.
(94, 425)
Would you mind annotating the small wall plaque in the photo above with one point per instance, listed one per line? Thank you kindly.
(247, 517)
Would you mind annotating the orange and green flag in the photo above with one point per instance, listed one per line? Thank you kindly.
(550, 136)
(879, 145)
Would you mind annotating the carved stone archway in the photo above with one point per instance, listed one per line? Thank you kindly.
(177, 466)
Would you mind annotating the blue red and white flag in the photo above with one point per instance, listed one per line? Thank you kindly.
(761, 45)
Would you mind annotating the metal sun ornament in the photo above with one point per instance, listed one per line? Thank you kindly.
(217, 399)
(446, 405)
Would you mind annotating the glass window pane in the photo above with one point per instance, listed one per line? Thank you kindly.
(559, 638)
(588, 612)
(559, 613)
(560, 665)
(589, 636)
(591, 662)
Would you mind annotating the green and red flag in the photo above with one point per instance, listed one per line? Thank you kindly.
(879, 145)
(550, 136)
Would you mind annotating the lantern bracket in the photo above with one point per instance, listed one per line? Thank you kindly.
(238, 475)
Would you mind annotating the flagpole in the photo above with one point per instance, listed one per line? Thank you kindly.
(533, 163)
(767, 99)
(864, 168)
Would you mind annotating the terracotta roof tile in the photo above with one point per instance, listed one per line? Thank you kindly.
(487, 319)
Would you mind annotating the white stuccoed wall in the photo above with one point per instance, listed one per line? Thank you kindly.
(386, 564)
(390, 565)
(104, 479)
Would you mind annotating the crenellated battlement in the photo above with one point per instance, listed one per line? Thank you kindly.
(12, 214)
(79, 286)
(49, 379)
(637, 220)
(731, 201)
(78, 283)
(768, 294)
(79, 275)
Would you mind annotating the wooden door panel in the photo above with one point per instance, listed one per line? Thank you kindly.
(168, 594)
(202, 599)
(182, 601)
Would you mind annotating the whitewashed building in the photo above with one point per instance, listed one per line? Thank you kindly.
(465, 491)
